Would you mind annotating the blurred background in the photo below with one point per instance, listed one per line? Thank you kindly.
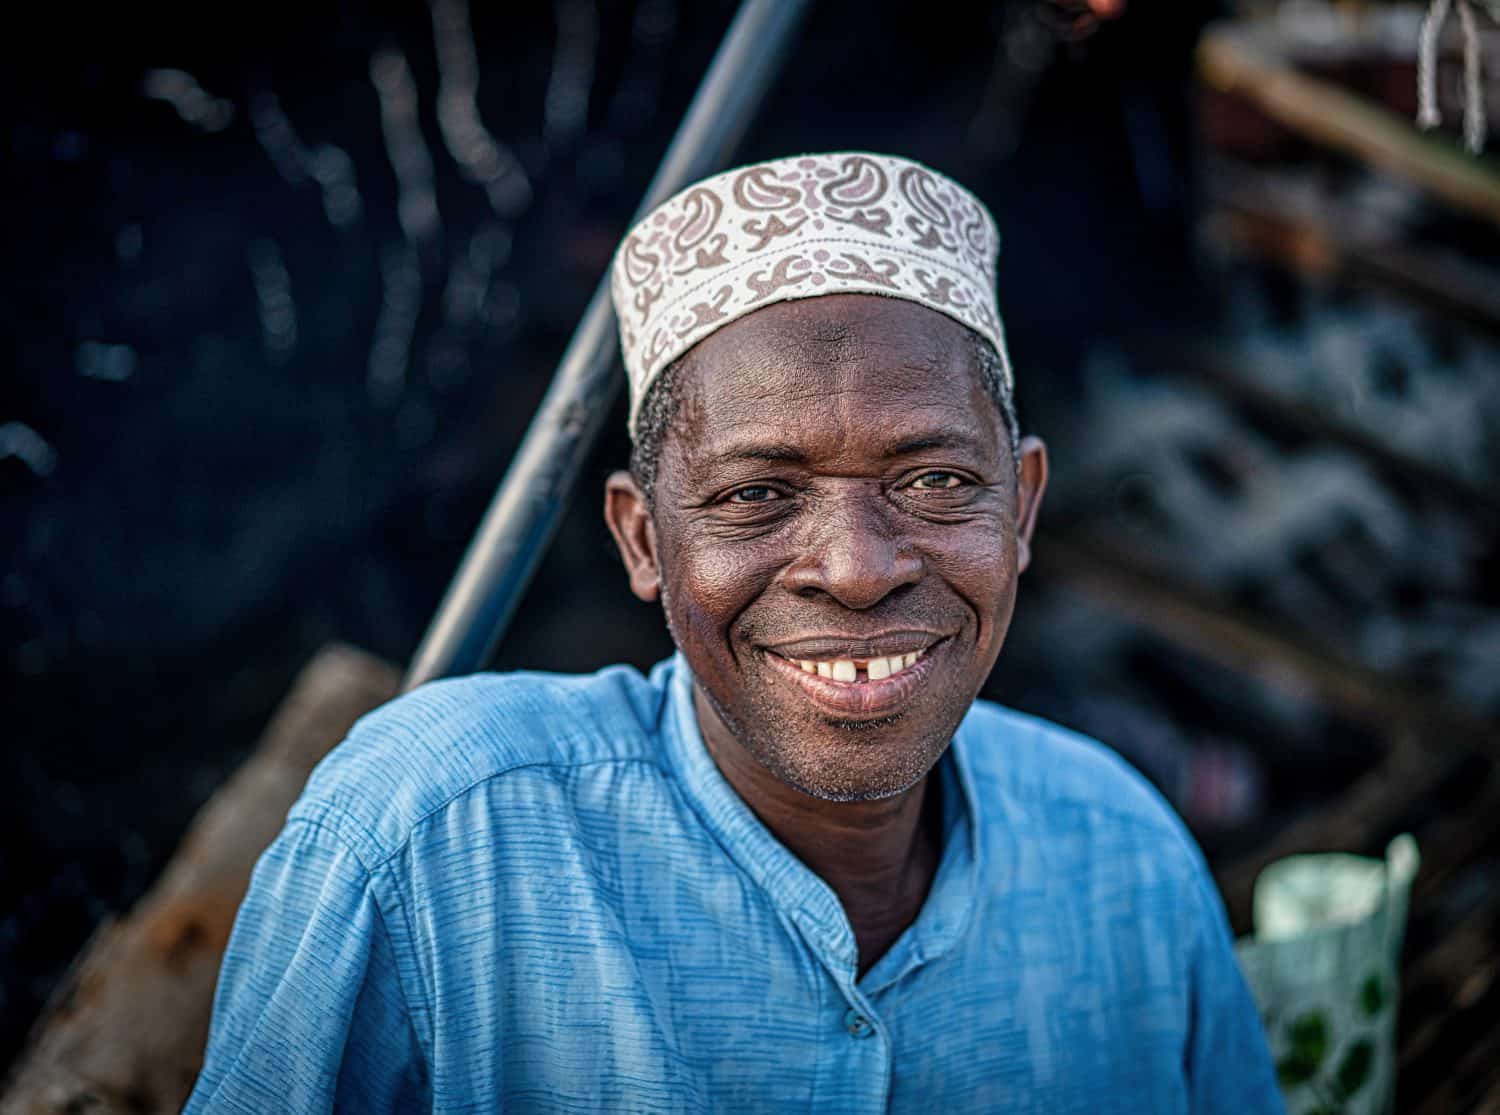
(283, 286)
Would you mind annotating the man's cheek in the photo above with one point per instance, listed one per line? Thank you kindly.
(724, 580)
(984, 578)
(982, 567)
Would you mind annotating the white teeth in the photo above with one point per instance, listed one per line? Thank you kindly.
(847, 669)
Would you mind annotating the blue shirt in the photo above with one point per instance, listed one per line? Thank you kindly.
(537, 892)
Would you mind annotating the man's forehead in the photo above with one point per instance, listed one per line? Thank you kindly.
(818, 338)
(892, 376)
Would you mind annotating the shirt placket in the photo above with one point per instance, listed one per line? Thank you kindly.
(855, 1071)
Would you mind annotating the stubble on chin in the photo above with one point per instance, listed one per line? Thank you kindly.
(807, 765)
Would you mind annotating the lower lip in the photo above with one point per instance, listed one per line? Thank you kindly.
(859, 700)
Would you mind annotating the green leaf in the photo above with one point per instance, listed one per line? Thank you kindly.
(1372, 996)
(1321, 1109)
(1309, 1036)
(1292, 1071)
(1354, 1069)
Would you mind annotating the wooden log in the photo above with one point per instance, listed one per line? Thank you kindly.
(125, 1033)
(1322, 246)
(1240, 62)
(1132, 587)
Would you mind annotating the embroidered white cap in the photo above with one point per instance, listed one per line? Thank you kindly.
(800, 227)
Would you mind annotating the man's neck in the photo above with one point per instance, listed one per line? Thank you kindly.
(879, 856)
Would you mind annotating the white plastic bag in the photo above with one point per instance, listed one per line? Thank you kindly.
(1324, 967)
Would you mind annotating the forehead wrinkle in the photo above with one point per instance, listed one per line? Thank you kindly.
(798, 337)
(809, 386)
(837, 398)
(739, 436)
(847, 402)
(773, 374)
(802, 344)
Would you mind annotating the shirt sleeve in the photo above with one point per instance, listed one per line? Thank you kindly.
(310, 1014)
(1228, 1059)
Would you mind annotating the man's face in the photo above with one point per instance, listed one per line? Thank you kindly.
(835, 537)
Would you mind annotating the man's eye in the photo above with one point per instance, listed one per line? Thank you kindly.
(937, 481)
(756, 493)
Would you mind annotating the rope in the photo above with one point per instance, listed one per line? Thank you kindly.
(1428, 113)
(1473, 80)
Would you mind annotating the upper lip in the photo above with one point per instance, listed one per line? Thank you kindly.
(858, 647)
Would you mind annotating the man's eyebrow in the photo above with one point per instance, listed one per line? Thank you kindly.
(942, 439)
(755, 451)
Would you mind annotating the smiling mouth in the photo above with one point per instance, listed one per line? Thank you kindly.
(859, 670)
(852, 688)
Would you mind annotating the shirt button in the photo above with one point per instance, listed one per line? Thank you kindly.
(857, 1024)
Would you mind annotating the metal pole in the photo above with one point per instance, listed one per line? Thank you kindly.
(526, 508)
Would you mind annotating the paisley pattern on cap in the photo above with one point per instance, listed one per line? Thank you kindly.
(847, 222)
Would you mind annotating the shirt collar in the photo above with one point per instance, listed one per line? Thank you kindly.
(791, 885)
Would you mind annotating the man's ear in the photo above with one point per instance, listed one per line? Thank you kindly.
(1030, 485)
(629, 519)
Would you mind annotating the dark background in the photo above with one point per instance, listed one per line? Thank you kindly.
(248, 411)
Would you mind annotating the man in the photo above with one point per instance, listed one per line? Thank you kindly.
(798, 867)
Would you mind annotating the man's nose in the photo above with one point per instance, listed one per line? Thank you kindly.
(853, 552)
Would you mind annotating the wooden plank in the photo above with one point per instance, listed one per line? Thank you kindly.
(1319, 247)
(125, 1033)
(1210, 629)
(1245, 63)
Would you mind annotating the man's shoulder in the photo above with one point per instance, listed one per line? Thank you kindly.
(1057, 775)
(417, 754)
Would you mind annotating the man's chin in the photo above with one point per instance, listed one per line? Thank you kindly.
(848, 763)
(845, 794)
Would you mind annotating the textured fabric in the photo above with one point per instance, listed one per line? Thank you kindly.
(844, 223)
(537, 893)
